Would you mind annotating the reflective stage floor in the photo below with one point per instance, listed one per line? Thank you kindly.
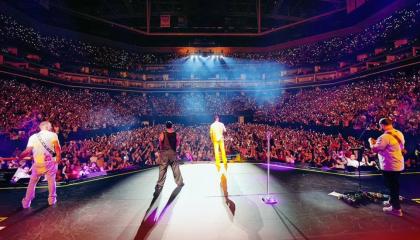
(210, 206)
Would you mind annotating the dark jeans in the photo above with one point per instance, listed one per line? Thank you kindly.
(392, 182)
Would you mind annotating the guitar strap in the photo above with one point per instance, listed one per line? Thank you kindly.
(45, 145)
(403, 150)
(396, 138)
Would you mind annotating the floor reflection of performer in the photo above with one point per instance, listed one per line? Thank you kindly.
(229, 203)
(216, 135)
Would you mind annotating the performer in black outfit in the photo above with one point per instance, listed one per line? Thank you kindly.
(168, 141)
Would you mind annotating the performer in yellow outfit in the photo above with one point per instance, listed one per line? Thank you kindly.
(216, 135)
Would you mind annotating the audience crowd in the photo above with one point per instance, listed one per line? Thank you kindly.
(90, 53)
(24, 106)
(358, 104)
(244, 142)
(338, 48)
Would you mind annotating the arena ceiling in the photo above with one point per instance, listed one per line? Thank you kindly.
(195, 23)
(199, 15)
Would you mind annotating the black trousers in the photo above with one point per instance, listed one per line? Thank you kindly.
(392, 182)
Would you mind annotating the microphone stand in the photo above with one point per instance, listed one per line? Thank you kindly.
(358, 196)
(359, 159)
(268, 199)
(360, 151)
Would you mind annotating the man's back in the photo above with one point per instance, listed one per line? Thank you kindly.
(390, 155)
(39, 152)
(169, 140)
(216, 131)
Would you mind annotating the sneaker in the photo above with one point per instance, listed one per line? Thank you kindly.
(390, 210)
(52, 201)
(386, 203)
(26, 204)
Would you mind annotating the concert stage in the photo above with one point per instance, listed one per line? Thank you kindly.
(210, 206)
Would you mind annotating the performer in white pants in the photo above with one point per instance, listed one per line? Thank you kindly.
(46, 152)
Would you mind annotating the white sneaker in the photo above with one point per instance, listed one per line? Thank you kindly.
(26, 204)
(52, 202)
(390, 210)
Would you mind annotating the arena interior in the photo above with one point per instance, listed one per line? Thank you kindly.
(319, 101)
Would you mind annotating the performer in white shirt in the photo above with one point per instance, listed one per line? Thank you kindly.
(390, 147)
(46, 151)
(216, 135)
